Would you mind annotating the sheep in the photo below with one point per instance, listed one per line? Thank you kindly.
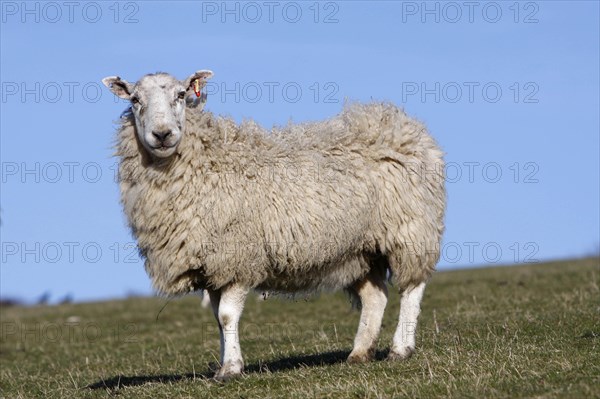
(345, 203)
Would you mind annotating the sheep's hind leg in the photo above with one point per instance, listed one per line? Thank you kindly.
(403, 345)
(228, 304)
(372, 292)
(205, 298)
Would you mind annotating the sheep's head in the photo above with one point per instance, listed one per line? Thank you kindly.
(158, 103)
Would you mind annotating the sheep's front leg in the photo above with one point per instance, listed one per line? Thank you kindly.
(373, 298)
(228, 304)
(403, 345)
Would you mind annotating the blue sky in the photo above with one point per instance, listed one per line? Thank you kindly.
(509, 90)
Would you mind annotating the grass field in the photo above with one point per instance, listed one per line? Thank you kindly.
(521, 331)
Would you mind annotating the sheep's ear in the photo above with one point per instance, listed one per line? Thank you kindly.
(197, 81)
(194, 97)
(121, 88)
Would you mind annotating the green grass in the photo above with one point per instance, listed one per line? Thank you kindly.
(522, 331)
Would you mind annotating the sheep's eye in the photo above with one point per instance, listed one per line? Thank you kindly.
(181, 95)
(135, 100)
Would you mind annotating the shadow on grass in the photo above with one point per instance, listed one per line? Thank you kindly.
(121, 381)
(289, 363)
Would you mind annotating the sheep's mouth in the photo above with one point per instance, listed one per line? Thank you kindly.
(162, 147)
(163, 151)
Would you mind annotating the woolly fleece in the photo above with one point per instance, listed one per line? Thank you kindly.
(300, 208)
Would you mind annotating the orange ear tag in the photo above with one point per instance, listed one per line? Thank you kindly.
(197, 87)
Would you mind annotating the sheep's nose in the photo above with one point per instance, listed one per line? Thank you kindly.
(161, 135)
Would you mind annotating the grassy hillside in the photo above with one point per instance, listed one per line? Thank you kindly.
(522, 331)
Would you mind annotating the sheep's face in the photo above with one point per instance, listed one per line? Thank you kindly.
(158, 104)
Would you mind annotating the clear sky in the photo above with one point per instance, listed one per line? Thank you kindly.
(509, 89)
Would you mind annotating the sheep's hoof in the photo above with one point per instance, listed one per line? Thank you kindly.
(229, 371)
(400, 354)
(361, 357)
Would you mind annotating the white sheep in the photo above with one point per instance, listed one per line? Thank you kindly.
(337, 204)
